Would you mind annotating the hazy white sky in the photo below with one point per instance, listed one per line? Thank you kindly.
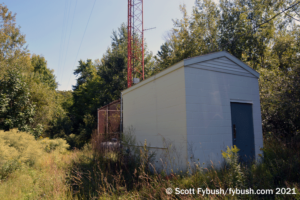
(50, 32)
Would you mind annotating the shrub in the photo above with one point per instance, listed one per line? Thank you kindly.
(21, 148)
(58, 144)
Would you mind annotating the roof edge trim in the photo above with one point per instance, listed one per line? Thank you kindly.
(154, 77)
(197, 59)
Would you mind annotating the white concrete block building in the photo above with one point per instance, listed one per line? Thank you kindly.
(200, 105)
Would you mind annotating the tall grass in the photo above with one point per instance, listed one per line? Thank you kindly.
(48, 171)
(33, 169)
(127, 175)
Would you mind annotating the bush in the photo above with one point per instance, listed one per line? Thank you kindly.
(58, 144)
(21, 148)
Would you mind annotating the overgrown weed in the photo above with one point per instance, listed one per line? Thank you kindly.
(132, 176)
(127, 173)
(28, 170)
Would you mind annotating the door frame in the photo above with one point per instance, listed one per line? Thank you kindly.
(241, 101)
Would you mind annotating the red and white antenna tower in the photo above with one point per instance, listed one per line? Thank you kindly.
(135, 62)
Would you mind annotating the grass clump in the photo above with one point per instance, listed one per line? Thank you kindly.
(58, 144)
(17, 149)
(20, 148)
(28, 170)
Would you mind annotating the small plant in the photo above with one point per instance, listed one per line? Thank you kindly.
(236, 176)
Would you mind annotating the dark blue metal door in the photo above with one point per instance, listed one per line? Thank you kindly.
(242, 130)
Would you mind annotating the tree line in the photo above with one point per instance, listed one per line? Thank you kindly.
(262, 33)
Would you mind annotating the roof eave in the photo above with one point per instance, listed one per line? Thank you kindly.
(197, 59)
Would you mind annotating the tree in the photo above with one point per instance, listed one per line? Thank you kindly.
(112, 68)
(17, 111)
(191, 36)
(259, 33)
(42, 84)
(42, 73)
(61, 125)
(13, 52)
(86, 72)
(279, 88)
(243, 28)
(101, 82)
(36, 79)
(280, 99)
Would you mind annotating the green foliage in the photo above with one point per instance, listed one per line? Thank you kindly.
(103, 176)
(279, 165)
(66, 99)
(10, 34)
(279, 91)
(233, 26)
(58, 144)
(47, 102)
(21, 148)
(28, 97)
(61, 124)
(17, 148)
(110, 171)
(17, 111)
(11, 38)
(110, 179)
(41, 72)
(85, 130)
(236, 177)
(99, 83)
(84, 94)
(231, 155)
(13, 53)
(243, 29)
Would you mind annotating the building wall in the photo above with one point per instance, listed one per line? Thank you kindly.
(155, 108)
(188, 104)
(209, 92)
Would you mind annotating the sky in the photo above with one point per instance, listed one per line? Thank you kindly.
(65, 31)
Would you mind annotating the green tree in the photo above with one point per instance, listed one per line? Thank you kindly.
(112, 68)
(191, 36)
(42, 84)
(101, 82)
(279, 88)
(38, 79)
(61, 124)
(259, 33)
(41, 73)
(17, 111)
(66, 99)
(246, 29)
(13, 52)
